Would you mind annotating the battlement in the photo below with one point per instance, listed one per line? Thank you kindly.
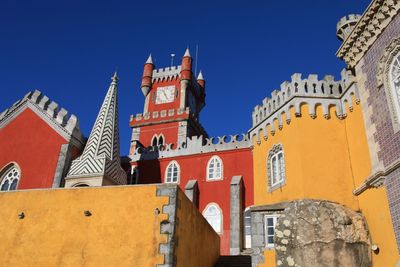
(312, 92)
(193, 145)
(298, 87)
(167, 73)
(58, 117)
(345, 25)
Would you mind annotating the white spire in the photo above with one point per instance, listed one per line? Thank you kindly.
(149, 60)
(187, 53)
(200, 76)
(100, 158)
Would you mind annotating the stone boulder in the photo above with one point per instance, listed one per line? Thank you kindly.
(321, 233)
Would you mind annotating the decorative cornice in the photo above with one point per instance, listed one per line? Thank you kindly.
(101, 154)
(193, 145)
(372, 23)
(377, 179)
(312, 92)
(58, 118)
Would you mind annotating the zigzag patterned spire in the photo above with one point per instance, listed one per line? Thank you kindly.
(101, 154)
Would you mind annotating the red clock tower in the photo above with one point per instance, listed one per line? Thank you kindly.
(173, 101)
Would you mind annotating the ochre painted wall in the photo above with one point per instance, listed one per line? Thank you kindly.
(373, 202)
(198, 245)
(34, 146)
(316, 159)
(327, 159)
(124, 230)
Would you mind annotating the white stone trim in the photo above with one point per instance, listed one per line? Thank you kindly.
(214, 204)
(215, 157)
(173, 162)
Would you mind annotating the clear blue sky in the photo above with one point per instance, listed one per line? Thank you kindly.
(69, 50)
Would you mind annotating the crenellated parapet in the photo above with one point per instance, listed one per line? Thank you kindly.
(193, 145)
(169, 73)
(65, 123)
(312, 92)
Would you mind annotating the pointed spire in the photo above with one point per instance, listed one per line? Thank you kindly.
(187, 53)
(100, 158)
(149, 60)
(200, 76)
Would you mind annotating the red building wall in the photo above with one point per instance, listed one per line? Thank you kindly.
(235, 162)
(168, 130)
(34, 146)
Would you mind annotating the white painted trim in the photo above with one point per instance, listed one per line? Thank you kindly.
(178, 175)
(208, 169)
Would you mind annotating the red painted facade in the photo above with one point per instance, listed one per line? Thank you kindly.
(192, 165)
(34, 146)
(235, 162)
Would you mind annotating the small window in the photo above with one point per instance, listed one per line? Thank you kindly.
(161, 141)
(247, 228)
(276, 167)
(10, 179)
(172, 173)
(214, 168)
(154, 141)
(213, 215)
(269, 229)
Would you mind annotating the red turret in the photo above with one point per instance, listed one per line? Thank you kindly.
(147, 76)
(201, 81)
(186, 72)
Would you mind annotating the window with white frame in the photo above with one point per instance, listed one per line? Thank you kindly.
(247, 228)
(9, 181)
(276, 167)
(269, 229)
(213, 215)
(172, 172)
(214, 168)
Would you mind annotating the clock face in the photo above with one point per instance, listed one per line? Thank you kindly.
(165, 94)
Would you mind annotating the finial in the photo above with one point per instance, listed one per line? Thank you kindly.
(200, 76)
(187, 53)
(114, 78)
(149, 60)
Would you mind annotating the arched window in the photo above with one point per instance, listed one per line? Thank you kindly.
(276, 167)
(214, 168)
(160, 140)
(213, 215)
(9, 181)
(172, 172)
(394, 82)
(154, 141)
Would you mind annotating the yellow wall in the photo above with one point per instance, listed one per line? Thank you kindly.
(198, 244)
(373, 202)
(327, 159)
(316, 158)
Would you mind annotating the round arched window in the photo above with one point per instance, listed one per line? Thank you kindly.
(10, 179)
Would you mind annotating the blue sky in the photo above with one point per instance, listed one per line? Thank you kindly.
(69, 50)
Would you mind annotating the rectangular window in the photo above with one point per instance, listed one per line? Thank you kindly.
(269, 228)
(277, 169)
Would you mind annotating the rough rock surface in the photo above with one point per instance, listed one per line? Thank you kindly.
(321, 233)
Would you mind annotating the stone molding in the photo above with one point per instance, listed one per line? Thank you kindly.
(372, 23)
(383, 79)
(193, 145)
(377, 179)
(275, 149)
(168, 226)
(311, 92)
(58, 118)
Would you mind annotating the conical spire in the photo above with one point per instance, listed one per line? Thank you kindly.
(100, 158)
(200, 76)
(149, 60)
(187, 53)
